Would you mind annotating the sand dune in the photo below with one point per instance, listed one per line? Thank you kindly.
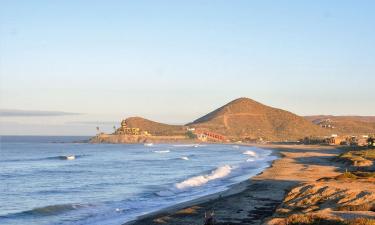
(293, 181)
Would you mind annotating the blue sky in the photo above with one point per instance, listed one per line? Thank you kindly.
(173, 61)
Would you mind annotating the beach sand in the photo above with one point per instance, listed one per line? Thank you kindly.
(256, 199)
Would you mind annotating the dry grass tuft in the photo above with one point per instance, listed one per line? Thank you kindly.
(303, 219)
(360, 221)
(362, 207)
(359, 155)
(355, 175)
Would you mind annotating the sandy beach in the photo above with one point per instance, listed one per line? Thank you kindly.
(261, 199)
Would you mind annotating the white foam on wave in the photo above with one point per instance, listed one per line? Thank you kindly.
(189, 145)
(236, 146)
(200, 180)
(184, 158)
(250, 153)
(165, 193)
(161, 151)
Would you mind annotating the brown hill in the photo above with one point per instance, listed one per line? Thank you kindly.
(246, 118)
(345, 125)
(155, 128)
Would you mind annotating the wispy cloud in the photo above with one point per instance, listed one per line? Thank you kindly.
(110, 123)
(30, 113)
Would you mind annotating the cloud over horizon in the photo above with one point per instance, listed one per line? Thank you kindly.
(33, 113)
(111, 123)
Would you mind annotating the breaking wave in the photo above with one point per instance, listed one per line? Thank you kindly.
(200, 180)
(196, 181)
(227, 171)
(64, 157)
(161, 151)
(60, 157)
(250, 153)
(189, 145)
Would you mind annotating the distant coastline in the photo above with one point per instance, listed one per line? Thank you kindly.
(244, 120)
(133, 139)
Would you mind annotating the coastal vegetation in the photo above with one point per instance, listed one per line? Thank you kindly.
(360, 158)
(303, 219)
(190, 134)
(155, 128)
(356, 175)
(346, 198)
(362, 154)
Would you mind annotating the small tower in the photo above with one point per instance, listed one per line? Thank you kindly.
(123, 124)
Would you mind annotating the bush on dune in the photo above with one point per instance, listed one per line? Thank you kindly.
(348, 175)
(359, 154)
(362, 207)
(362, 174)
(303, 219)
(360, 221)
(355, 175)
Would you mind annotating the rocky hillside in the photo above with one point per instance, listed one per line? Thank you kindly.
(345, 125)
(246, 118)
(155, 128)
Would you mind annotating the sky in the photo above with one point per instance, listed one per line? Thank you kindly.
(69, 66)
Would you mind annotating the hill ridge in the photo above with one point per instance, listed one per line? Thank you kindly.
(247, 118)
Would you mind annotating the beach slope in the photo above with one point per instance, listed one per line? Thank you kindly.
(258, 198)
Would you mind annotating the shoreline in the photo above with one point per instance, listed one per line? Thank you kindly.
(256, 198)
(232, 190)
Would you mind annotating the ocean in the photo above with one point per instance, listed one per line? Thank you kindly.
(112, 183)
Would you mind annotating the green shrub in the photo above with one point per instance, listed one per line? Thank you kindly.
(191, 135)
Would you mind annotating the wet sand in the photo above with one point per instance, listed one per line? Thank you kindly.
(252, 201)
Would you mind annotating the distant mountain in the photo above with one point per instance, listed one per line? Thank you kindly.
(354, 118)
(246, 118)
(155, 128)
(345, 125)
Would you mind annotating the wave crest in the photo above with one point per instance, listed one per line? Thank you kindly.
(203, 179)
(161, 151)
(60, 157)
(54, 209)
(47, 210)
(250, 153)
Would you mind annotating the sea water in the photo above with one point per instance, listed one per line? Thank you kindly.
(112, 183)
